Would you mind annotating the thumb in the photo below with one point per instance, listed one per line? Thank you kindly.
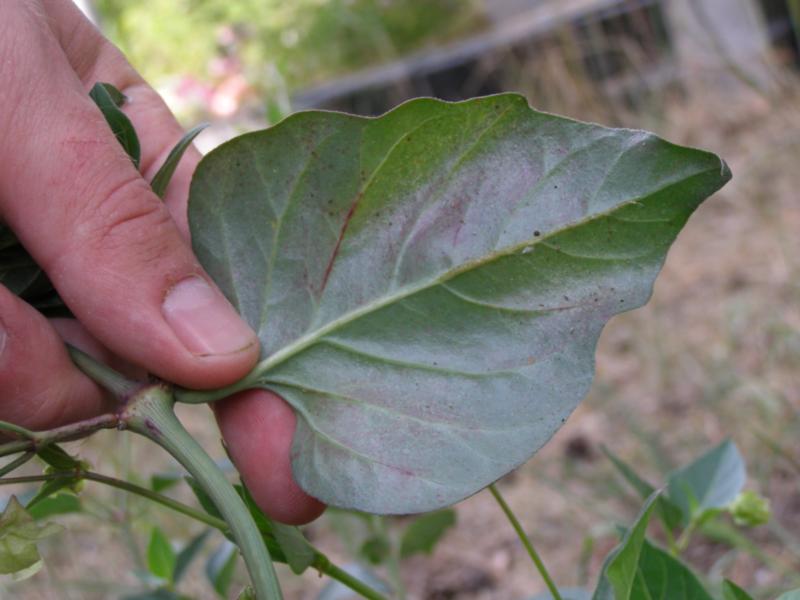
(86, 215)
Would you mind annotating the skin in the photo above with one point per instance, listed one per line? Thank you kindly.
(113, 250)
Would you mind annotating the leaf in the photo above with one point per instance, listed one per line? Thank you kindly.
(120, 125)
(60, 460)
(160, 555)
(429, 286)
(117, 97)
(159, 594)
(164, 175)
(58, 504)
(661, 575)
(187, 555)
(422, 535)
(620, 567)
(731, 591)
(376, 549)
(52, 487)
(18, 536)
(293, 547)
(203, 498)
(160, 482)
(247, 593)
(710, 482)
(670, 515)
(221, 566)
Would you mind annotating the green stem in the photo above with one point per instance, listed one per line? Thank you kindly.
(150, 413)
(17, 462)
(523, 537)
(116, 383)
(186, 396)
(132, 488)
(324, 565)
(321, 562)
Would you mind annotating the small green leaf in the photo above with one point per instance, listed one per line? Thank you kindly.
(187, 555)
(203, 498)
(51, 487)
(120, 125)
(161, 482)
(294, 547)
(749, 509)
(60, 460)
(376, 549)
(731, 591)
(58, 504)
(670, 515)
(620, 567)
(118, 97)
(161, 557)
(18, 536)
(424, 532)
(221, 566)
(162, 178)
(661, 575)
(710, 482)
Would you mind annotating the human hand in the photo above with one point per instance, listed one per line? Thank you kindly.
(118, 256)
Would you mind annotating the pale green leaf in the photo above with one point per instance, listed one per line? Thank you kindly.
(429, 286)
(708, 483)
(19, 534)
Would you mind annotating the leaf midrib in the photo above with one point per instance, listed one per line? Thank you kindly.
(399, 294)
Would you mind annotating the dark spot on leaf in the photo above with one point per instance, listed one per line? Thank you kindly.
(537, 233)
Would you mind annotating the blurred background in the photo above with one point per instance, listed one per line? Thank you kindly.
(715, 354)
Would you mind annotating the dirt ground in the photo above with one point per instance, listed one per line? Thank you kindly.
(714, 354)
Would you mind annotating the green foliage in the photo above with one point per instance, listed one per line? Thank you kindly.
(118, 121)
(308, 40)
(709, 483)
(160, 555)
(221, 566)
(621, 567)
(731, 591)
(19, 533)
(439, 274)
(162, 178)
(422, 535)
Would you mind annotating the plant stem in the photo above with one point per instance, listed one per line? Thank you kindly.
(321, 562)
(132, 488)
(523, 537)
(17, 462)
(150, 413)
(37, 439)
(114, 382)
(186, 396)
(324, 565)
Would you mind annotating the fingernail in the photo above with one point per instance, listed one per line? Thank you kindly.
(203, 319)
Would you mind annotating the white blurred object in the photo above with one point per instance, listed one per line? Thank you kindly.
(87, 8)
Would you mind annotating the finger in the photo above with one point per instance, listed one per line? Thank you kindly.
(107, 242)
(258, 427)
(95, 59)
(41, 388)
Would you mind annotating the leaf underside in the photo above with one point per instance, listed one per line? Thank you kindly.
(429, 286)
